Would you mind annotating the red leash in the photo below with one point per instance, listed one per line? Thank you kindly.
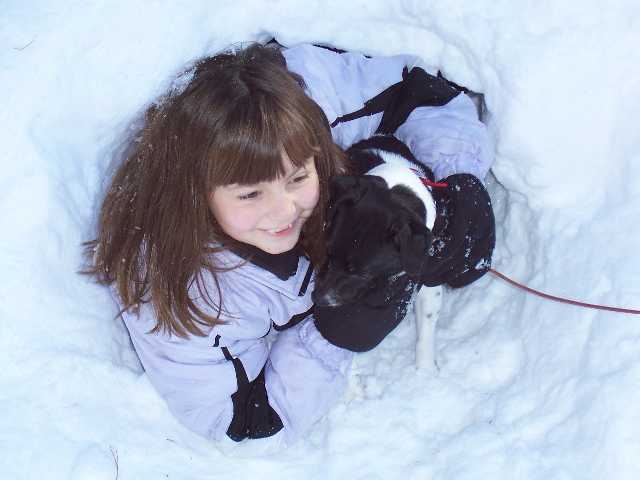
(563, 300)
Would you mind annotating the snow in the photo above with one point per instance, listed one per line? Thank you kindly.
(526, 388)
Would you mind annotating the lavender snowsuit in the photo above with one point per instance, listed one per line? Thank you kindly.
(303, 374)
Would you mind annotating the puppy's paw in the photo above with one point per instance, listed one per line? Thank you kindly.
(427, 305)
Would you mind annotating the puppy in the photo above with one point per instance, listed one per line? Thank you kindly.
(378, 236)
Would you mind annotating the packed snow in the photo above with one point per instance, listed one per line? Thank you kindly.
(525, 388)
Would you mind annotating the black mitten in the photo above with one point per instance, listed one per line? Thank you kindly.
(463, 233)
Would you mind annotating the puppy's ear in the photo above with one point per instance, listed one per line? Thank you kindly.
(374, 182)
(412, 239)
(341, 186)
(352, 187)
(408, 200)
(343, 190)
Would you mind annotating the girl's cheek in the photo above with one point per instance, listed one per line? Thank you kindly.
(312, 196)
(243, 217)
(230, 214)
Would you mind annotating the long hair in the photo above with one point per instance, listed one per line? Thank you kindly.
(229, 123)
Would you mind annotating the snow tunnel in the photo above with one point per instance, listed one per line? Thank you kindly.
(525, 387)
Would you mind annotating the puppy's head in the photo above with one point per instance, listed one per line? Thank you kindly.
(374, 236)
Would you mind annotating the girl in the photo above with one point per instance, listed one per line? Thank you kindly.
(211, 225)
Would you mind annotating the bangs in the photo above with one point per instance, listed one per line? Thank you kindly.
(250, 145)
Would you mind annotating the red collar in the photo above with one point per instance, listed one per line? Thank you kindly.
(428, 183)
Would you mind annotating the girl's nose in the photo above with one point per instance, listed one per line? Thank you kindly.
(282, 208)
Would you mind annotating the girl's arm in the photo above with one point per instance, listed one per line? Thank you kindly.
(305, 377)
(448, 139)
(229, 384)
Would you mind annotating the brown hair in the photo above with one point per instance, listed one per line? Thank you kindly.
(238, 111)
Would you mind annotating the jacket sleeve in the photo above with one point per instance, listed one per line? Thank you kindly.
(230, 384)
(305, 376)
(300, 379)
(448, 139)
(193, 377)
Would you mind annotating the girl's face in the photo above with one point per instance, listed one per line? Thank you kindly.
(268, 215)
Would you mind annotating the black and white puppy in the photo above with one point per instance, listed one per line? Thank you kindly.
(378, 235)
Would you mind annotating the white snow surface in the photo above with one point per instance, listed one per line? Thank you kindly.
(526, 388)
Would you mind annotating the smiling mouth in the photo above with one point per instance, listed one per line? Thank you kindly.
(280, 232)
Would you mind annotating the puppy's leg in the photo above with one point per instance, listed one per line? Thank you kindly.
(426, 308)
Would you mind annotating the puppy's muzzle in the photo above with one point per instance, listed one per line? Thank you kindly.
(335, 289)
(326, 298)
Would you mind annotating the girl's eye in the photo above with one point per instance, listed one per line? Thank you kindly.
(301, 178)
(249, 196)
